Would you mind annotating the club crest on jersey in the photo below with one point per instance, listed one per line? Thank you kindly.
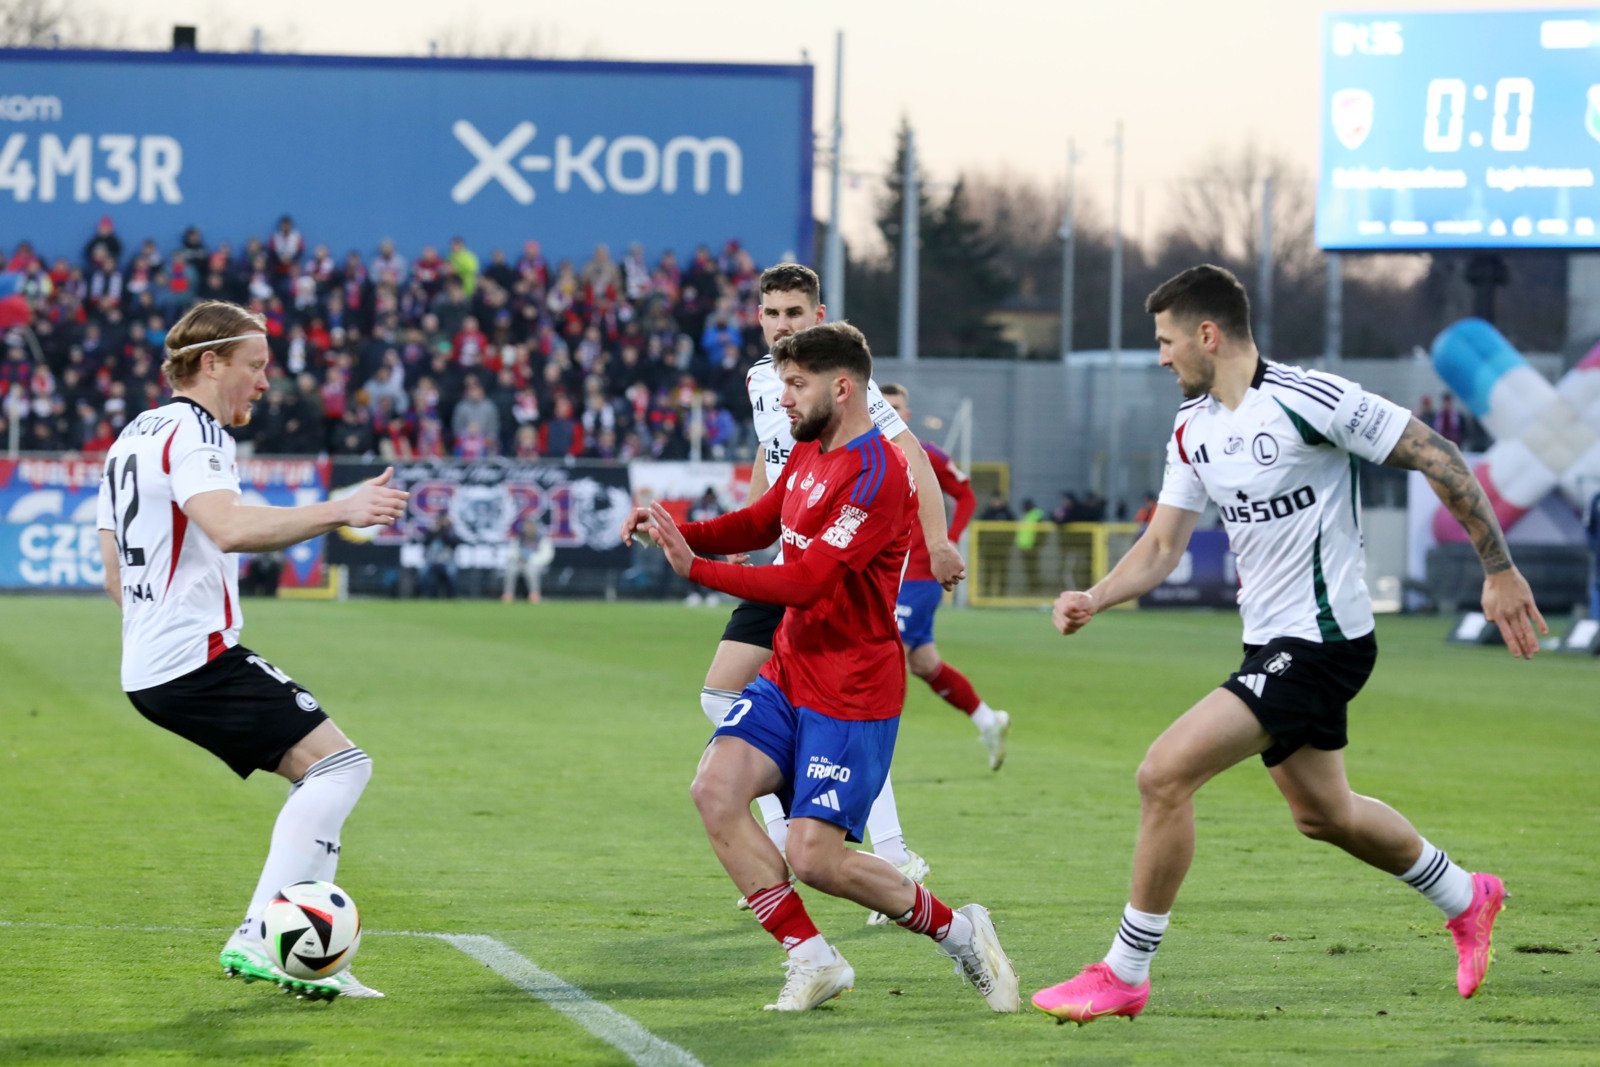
(1234, 446)
(1265, 449)
(1279, 663)
(844, 528)
(816, 494)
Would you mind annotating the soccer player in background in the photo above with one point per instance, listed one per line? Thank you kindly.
(791, 301)
(171, 522)
(921, 592)
(818, 726)
(1273, 446)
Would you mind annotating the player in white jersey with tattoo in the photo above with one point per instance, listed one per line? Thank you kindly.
(790, 302)
(1275, 448)
(171, 521)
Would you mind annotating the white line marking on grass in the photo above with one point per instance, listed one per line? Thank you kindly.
(609, 1025)
(604, 1022)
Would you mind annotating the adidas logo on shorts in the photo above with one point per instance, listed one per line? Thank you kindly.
(829, 800)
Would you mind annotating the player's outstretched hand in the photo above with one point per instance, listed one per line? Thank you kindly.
(637, 524)
(946, 564)
(670, 538)
(1508, 603)
(1072, 611)
(376, 503)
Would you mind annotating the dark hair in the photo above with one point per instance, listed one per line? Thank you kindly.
(894, 389)
(825, 347)
(1204, 292)
(791, 277)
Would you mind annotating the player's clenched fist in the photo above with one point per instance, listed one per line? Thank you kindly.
(1072, 611)
(637, 524)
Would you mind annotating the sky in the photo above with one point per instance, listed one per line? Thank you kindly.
(996, 88)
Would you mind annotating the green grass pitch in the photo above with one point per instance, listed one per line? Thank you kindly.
(531, 785)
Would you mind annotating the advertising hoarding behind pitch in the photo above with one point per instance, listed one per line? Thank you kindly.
(357, 149)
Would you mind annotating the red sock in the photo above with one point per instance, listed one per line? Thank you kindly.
(929, 915)
(783, 915)
(951, 685)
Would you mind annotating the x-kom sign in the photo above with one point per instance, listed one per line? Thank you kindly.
(632, 165)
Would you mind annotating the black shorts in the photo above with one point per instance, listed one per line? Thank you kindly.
(1301, 690)
(753, 623)
(238, 707)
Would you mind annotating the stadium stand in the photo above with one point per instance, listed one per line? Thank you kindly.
(385, 356)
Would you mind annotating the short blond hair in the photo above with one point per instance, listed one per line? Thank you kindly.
(209, 320)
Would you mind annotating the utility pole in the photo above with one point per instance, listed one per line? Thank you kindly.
(910, 249)
(1069, 241)
(1114, 437)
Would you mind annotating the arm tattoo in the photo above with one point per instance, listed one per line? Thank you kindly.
(1422, 449)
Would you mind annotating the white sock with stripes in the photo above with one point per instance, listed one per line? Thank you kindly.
(1446, 884)
(1135, 944)
(305, 839)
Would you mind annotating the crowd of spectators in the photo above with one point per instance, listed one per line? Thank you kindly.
(383, 355)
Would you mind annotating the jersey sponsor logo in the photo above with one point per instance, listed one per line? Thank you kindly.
(823, 767)
(1265, 449)
(134, 594)
(1380, 419)
(844, 528)
(816, 494)
(1234, 446)
(1278, 507)
(800, 541)
(1279, 663)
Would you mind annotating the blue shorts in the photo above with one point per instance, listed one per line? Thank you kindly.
(918, 601)
(833, 768)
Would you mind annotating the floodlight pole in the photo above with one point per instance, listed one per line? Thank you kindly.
(1069, 242)
(1264, 274)
(1114, 436)
(833, 256)
(910, 243)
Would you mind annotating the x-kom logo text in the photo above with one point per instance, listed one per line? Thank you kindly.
(632, 165)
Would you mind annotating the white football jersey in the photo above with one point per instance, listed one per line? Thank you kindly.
(1282, 471)
(772, 422)
(180, 592)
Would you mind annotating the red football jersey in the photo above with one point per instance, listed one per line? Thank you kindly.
(838, 648)
(958, 487)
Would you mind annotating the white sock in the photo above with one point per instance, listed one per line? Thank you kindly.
(1135, 944)
(305, 839)
(959, 935)
(814, 952)
(1446, 884)
(883, 826)
(776, 822)
(983, 716)
(716, 702)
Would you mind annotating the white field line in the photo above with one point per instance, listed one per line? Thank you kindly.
(604, 1022)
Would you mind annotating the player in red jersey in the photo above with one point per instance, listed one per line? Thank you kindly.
(921, 593)
(818, 726)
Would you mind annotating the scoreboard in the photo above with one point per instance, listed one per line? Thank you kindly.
(1467, 130)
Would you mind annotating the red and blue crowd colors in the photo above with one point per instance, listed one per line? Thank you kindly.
(389, 356)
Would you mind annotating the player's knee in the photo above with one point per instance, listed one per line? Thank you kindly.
(924, 667)
(714, 798)
(1320, 823)
(1159, 782)
(814, 867)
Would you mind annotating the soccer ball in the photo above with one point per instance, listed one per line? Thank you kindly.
(312, 929)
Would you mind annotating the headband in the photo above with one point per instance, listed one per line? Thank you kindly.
(218, 341)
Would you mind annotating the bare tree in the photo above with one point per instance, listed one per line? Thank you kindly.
(469, 37)
(39, 23)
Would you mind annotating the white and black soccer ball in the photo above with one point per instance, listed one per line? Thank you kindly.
(312, 929)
